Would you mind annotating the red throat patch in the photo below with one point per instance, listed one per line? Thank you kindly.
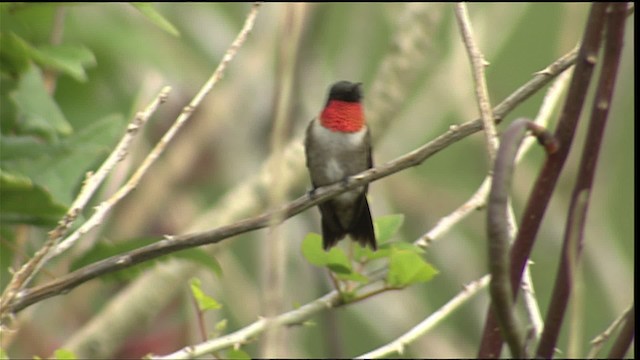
(343, 116)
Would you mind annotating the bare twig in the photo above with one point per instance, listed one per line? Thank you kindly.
(599, 341)
(398, 345)
(622, 343)
(477, 68)
(454, 134)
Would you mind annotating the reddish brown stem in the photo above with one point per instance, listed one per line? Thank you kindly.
(491, 344)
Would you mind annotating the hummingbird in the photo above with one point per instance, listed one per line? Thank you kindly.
(338, 145)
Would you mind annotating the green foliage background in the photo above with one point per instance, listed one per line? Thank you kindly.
(113, 58)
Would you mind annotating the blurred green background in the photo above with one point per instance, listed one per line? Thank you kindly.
(127, 58)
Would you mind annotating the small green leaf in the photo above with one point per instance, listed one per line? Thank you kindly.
(353, 276)
(155, 17)
(39, 111)
(221, 325)
(337, 261)
(64, 354)
(238, 354)
(364, 254)
(69, 59)
(24, 202)
(407, 267)
(312, 250)
(348, 296)
(14, 54)
(387, 226)
(205, 302)
(403, 245)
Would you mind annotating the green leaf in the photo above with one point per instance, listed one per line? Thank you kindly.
(60, 168)
(69, 59)
(406, 267)
(8, 111)
(337, 261)
(205, 302)
(238, 354)
(64, 354)
(387, 226)
(152, 14)
(312, 250)
(14, 54)
(353, 276)
(221, 325)
(23, 202)
(40, 114)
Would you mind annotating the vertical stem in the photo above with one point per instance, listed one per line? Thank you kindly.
(541, 194)
(599, 113)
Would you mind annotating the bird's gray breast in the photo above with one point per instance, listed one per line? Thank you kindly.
(333, 155)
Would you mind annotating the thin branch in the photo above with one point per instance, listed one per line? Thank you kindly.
(399, 344)
(171, 244)
(478, 64)
(93, 180)
(245, 334)
(621, 346)
(574, 234)
(545, 183)
(598, 342)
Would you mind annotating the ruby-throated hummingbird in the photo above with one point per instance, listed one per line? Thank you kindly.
(338, 145)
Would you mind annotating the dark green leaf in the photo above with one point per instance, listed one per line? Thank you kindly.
(14, 54)
(39, 112)
(152, 14)
(69, 59)
(22, 201)
(60, 168)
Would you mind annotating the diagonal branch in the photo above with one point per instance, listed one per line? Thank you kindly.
(172, 244)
